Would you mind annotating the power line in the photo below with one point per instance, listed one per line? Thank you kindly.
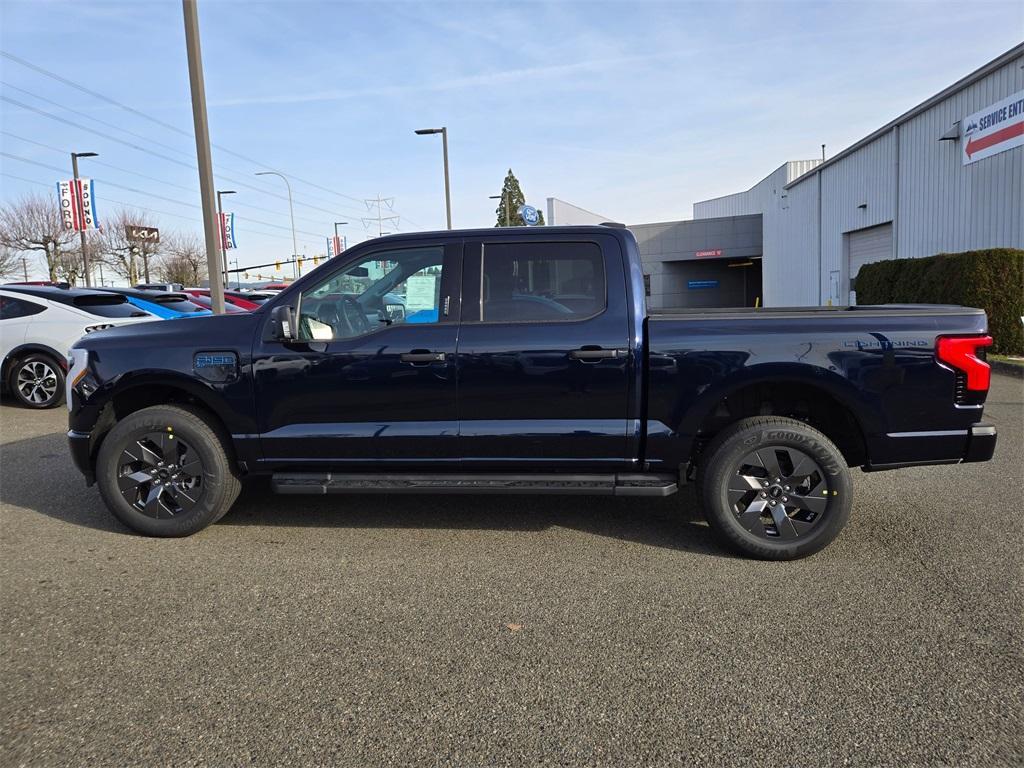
(190, 166)
(164, 182)
(157, 121)
(153, 194)
(147, 209)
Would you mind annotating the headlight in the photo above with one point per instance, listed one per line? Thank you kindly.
(78, 366)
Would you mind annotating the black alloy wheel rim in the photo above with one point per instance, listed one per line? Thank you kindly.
(160, 475)
(37, 382)
(779, 493)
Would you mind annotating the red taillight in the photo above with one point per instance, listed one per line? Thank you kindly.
(961, 354)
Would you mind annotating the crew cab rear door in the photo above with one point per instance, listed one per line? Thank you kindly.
(371, 379)
(545, 368)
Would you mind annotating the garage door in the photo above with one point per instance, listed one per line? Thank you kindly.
(866, 246)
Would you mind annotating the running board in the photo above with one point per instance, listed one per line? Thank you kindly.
(318, 483)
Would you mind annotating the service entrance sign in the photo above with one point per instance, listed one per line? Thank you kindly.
(994, 129)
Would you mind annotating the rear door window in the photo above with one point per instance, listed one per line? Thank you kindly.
(541, 282)
(11, 309)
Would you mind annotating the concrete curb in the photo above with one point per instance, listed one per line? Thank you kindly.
(1007, 369)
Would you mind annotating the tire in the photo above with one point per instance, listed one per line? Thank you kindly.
(37, 381)
(774, 488)
(165, 471)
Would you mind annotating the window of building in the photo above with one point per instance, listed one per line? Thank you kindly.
(542, 282)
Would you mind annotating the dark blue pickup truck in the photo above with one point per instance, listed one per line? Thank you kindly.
(525, 361)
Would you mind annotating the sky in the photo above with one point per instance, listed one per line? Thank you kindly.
(631, 110)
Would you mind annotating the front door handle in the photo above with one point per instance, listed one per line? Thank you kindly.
(596, 354)
(423, 357)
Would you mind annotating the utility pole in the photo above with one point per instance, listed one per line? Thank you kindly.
(291, 212)
(508, 221)
(202, 130)
(24, 267)
(380, 218)
(77, 199)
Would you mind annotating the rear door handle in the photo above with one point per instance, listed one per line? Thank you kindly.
(423, 357)
(596, 354)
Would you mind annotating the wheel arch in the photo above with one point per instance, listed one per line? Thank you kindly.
(146, 390)
(26, 349)
(821, 398)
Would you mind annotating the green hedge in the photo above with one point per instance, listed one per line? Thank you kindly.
(992, 279)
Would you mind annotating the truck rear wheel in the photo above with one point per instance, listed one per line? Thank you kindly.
(775, 488)
(164, 471)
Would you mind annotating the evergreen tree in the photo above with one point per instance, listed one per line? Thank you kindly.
(511, 199)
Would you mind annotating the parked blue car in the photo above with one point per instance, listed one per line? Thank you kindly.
(163, 304)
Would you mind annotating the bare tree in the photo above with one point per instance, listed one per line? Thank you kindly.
(183, 260)
(33, 223)
(124, 258)
(10, 263)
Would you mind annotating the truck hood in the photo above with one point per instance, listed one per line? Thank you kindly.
(198, 332)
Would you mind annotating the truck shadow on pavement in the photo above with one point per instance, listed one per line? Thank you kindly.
(36, 474)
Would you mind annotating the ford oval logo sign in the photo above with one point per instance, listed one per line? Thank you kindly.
(530, 215)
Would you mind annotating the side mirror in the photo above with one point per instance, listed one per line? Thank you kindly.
(283, 319)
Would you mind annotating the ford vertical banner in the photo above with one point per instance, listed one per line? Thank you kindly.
(227, 231)
(77, 204)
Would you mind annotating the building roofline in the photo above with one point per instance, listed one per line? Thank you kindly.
(945, 93)
(757, 183)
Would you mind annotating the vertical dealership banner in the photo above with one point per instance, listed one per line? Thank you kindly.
(227, 231)
(992, 130)
(335, 245)
(77, 204)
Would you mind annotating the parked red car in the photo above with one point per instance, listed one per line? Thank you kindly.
(230, 297)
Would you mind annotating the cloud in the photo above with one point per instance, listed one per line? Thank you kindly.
(482, 80)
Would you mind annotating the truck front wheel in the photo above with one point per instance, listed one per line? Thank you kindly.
(774, 488)
(164, 471)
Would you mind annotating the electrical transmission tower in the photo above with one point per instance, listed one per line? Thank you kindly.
(382, 205)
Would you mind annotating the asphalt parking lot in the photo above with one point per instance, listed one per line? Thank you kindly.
(510, 631)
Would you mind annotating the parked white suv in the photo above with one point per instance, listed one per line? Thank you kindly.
(38, 325)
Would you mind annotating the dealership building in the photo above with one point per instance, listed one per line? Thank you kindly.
(946, 176)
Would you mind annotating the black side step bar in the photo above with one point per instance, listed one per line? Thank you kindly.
(319, 483)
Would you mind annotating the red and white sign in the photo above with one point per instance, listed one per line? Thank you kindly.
(227, 231)
(712, 252)
(77, 204)
(993, 130)
(338, 244)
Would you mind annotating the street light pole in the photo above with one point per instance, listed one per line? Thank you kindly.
(291, 212)
(85, 253)
(205, 162)
(501, 197)
(447, 186)
(222, 232)
(337, 240)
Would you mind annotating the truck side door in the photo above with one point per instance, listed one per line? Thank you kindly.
(545, 369)
(371, 378)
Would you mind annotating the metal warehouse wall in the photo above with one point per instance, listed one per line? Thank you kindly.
(759, 197)
(946, 206)
(906, 176)
(561, 212)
